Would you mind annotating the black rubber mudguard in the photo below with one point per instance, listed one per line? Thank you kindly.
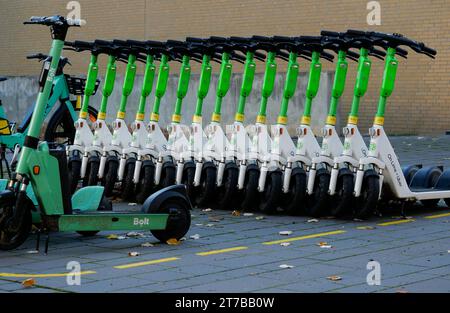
(444, 181)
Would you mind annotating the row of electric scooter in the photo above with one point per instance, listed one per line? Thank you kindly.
(243, 165)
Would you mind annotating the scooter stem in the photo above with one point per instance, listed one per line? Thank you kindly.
(223, 85)
(387, 86)
(247, 83)
(268, 85)
(90, 85)
(128, 83)
(203, 87)
(161, 86)
(289, 87)
(108, 86)
(313, 86)
(183, 85)
(147, 86)
(338, 86)
(361, 84)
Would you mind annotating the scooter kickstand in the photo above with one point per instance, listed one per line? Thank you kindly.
(38, 239)
(47, 239)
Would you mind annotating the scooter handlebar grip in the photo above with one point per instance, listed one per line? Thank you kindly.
(328, 33)
(240, 39)
(261, 38)
(195, 40)
(217, 39)
(355, 32)
(283, 39)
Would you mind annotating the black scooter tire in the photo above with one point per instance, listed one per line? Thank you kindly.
(128, 187)
(270, 198)
(368, 200)
(110, 177)
(317, 202)
(146, 182)
(293, 203)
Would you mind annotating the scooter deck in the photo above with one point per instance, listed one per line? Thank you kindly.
(107, 220)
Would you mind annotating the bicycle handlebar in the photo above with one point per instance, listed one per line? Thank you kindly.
(55, 20)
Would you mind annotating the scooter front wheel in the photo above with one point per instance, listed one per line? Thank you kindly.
(112, 166)
(368, 200)
(317, 202)
(342, 202)
(250, 195)
(74, 166)
(146, 182)
(226, 194)
(93, 166)
(207, 187)
(272, 191)
(178, 225)
(293, 202)
(127, 187)
(168, 175)
(188, 180)
(11, 240)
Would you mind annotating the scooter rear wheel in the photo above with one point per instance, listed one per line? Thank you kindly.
(342, 202)
(146, 182)
(177, 226)
(10, 241)
(226, 194)
(317, 202)
(127, 187)
(293, 202)
(366, 203)
(74, 167)
(205, 192)
(110, 178)
(270, 198)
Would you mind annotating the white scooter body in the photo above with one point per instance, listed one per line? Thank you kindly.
(196, 142)
(215, 148)
(83, 137)
(121, 138)
(331, 148)
(354, 149)
(156, 147)
(102, 137)
(382, 156)
(138, 138)
(239, 148)
(178, 142)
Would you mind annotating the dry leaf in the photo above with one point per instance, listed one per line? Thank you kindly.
(116, 237)
(285, 233)
(286, 266)
(236, 213)
(173, 242)
(27, 283)
(33, 252)
(195, 237)
(147, 245)
(215, 219)
(209, 225)
(285, 244)
(207, 210)
(334, 278)
(199, 225)
(313, 220)
(258, 218)
(324, 245)
(134, 253)
(248, 214)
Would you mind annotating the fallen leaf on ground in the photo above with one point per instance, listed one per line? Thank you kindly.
(258, 218)
(134, 253)
(27, 283)
(285, 232)
(195, 237)
(286, 266)
(135, 234)
(207, 210)
(313, 220)
(198, 224)
(116, 237)
(132, 204)
(324, 245)
(183, 239)
(33, 252)
(365, 227)
(209, 225)
(236, 213)
(248, 214)
(147, 245)
(285, 244)
(334, 278)
(173, 242)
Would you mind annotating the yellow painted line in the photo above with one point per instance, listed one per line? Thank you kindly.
(437, 216)
(396, 222)
(221, 251)
(131, 265)
(43, 275)
(336, 232)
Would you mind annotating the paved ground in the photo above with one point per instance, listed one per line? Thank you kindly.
(247, 253)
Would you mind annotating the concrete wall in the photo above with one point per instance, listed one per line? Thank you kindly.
(18, 93)
(420, 104)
